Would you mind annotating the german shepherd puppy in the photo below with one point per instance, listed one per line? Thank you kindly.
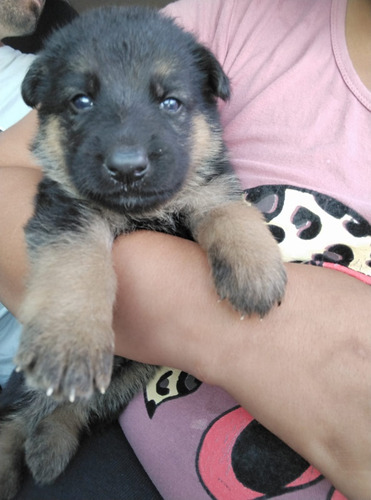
(129, 138)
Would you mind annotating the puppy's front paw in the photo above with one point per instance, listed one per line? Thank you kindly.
(67, 365)
(245, 259)
(251, 284)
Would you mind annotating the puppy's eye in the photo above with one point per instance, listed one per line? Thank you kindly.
(171, 105)
(81, 103)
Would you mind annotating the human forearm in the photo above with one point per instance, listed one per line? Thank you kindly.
(19, 176)
(303, 371)
(308, 375)
(15, 143)
(17, 190)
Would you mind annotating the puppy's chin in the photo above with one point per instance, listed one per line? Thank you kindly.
(134, 202)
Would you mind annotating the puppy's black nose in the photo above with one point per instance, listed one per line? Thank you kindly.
(127, 164)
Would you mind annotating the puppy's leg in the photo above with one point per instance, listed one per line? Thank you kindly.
(244, 257)
(12, 438)
(21, 410)
(53, 442)
(67, 342)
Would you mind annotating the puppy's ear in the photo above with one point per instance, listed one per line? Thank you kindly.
(217, 80)
(36, 82)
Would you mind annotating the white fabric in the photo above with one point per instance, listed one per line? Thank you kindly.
(13, 67)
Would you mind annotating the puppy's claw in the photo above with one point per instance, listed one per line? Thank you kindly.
(102, 390)
(242, 317)
(221, 299)
(72, 396)
(18, 369)
(50, 391)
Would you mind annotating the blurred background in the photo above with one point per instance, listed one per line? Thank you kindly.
(81, 5)
(57, 11)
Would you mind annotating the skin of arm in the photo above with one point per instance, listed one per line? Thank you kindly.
(17, 190)
(15, 153)
(304, 371)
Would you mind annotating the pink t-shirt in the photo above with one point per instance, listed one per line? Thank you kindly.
(298, 128)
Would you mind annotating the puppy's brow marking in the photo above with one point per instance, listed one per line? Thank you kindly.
(164, 69)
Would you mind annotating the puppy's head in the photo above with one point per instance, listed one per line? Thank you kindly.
(127, 103)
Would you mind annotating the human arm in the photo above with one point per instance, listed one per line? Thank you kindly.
(15, 143)
(304, 371)
(19, 176)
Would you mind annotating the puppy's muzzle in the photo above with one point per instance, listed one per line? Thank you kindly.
(127, 164)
